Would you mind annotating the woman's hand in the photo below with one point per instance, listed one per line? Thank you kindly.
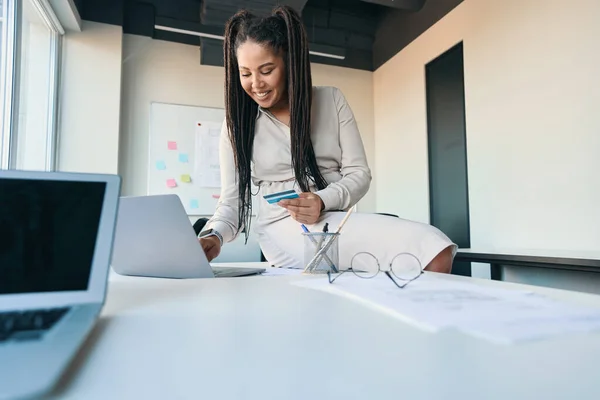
(306, 209)
(211, 246)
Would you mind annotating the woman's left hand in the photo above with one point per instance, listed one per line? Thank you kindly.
(306, 209)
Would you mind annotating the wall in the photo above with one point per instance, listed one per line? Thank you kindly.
(90, 95)
(532, 94)
(155, 70)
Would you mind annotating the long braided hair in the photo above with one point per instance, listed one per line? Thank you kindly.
(284, 32)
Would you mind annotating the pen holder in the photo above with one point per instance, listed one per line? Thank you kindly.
(321, 252)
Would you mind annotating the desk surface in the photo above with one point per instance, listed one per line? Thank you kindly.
(262, 338)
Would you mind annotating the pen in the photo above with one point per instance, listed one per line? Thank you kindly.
(325, 230)
(318, 245)
(328, 245)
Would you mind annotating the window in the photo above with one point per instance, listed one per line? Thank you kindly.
(7, 43)
(30, 55)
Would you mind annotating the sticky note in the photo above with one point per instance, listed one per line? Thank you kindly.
(194, 203)
(160, 165)
(186, 178)
(216, 196)
(171, 183)
(172, 145)
(183, 158)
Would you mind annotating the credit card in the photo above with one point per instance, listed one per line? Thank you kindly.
(275, 197)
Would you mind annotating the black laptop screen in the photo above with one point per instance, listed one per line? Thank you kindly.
(48, 233)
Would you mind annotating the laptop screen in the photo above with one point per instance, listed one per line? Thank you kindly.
(48, 233)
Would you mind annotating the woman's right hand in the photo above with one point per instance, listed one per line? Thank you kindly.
(211, 246)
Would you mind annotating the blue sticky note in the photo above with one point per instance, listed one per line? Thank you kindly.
(194, 203)
(183, 157)
(160, 165)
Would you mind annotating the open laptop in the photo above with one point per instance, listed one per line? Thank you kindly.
(154, 238)
(56, 236)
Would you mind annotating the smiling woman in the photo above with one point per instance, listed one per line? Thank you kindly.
(281, 133)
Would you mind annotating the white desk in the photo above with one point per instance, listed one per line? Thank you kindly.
(261, 338)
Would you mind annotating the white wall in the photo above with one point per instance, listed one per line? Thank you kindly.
(161, 71)
(90, 96)
(532, 94)
(155, 70)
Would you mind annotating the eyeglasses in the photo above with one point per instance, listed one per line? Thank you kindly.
(404, 268)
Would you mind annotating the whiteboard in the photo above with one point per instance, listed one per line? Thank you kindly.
(173, 155)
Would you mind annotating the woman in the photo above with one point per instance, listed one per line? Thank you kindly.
(282, 133)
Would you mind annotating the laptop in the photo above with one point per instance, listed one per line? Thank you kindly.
(155, 238)
(56, 236)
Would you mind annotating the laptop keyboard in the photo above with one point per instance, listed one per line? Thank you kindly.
(28, 325)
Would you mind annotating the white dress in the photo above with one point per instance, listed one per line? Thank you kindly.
(341, 158)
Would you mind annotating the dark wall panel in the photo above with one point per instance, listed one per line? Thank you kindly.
(448, 180)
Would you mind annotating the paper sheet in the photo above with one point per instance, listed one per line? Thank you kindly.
(206, 166)
(498, 315)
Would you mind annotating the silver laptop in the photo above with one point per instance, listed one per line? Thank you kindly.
(56, 236)
(155, 238)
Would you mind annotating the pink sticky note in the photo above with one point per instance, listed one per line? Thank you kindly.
(171, 183)
(172, 145)
(215, 196)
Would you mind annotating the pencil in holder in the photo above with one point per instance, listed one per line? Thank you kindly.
(321, 252)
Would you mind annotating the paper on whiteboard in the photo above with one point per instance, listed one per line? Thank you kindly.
(496, 314)
(207, 170)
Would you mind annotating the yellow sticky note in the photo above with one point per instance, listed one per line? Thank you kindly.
(186, 178)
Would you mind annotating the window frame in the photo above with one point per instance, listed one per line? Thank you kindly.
(10, 80)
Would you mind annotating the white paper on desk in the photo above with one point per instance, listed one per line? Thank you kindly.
(207, 169)
(496, 314)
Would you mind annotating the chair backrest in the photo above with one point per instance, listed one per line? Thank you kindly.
(389, 215)
(199, 225)
(201, 222)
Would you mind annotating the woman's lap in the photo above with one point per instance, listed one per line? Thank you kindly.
(282, 242)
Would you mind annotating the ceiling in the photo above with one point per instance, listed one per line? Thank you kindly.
(361, 34)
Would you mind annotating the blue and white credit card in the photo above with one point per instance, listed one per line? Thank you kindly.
(275, 197)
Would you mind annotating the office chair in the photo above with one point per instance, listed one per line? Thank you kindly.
(201, 222)
(199, 225)
(389, 215)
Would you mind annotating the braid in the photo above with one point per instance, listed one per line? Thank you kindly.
(299, 80)
(240, 119)
(284, 32)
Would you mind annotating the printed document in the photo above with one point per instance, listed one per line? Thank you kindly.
(500, 315)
